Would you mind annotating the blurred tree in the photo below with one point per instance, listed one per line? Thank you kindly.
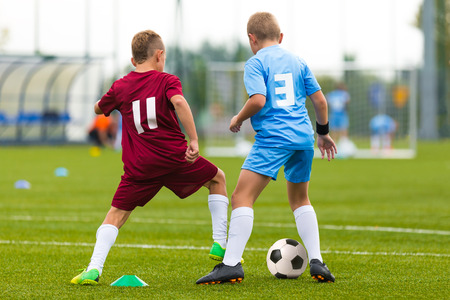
(442, 40)
(443, 65)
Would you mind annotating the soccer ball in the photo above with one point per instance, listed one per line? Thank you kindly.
(287, 259)
(346, 148)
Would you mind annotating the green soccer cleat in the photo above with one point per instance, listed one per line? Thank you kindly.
(90, 277)
(217, 252)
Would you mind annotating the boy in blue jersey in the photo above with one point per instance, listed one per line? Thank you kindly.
(338, 101)
(277, 83)
(382, 131)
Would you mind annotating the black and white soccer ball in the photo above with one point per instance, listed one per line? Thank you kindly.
(287, 259)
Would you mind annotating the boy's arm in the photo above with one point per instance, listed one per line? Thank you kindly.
(324, 142)
(251, 107)
(187, 120)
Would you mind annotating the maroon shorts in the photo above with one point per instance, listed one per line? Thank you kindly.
(184, 181)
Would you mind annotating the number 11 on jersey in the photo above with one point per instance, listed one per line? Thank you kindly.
(151, 114)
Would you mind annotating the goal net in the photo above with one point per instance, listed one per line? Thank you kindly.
(381, 112)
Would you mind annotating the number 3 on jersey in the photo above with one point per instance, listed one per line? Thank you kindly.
(151, 114)
(287, 89)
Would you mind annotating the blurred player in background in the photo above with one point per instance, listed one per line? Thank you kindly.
(155, 152)
(338, 101)
(103, 131)
(382, 131)
(277, 83)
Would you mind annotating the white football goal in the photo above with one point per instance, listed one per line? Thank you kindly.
(382, 111)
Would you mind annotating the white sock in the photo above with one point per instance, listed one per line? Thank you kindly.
(386, 141)
(308, 229)
(106, 236)
(218, 206)
(241, 225)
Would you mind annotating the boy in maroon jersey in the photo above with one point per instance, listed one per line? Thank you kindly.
(155, 151)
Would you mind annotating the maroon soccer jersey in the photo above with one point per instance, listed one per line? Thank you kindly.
(152, 142)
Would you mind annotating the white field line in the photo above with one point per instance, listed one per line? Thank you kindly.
(256, 224)
(166, 247)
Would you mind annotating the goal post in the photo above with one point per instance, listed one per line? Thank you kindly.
(225, 93)
(377, 96)
(382, 111)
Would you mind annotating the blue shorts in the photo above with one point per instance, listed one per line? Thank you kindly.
(268, 161)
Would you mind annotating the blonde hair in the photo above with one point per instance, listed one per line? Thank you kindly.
(264, 26)
(144, 45)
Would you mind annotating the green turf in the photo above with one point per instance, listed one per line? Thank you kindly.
(47, 232)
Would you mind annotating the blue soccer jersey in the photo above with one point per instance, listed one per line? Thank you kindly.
(337, 100)
(285, 80)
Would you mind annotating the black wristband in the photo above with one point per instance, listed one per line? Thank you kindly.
(322, 129)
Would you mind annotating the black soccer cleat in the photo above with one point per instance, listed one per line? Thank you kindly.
(319, 271)
(223, 273)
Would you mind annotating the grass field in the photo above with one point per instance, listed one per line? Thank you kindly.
(384, 224)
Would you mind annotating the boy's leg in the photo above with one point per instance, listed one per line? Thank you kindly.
(191, 177)
(298, 172)
(308, 229)
(106, 236)
(375, 142)
(305, 217)
(386, 141)
(248, 188)
(218, 206)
